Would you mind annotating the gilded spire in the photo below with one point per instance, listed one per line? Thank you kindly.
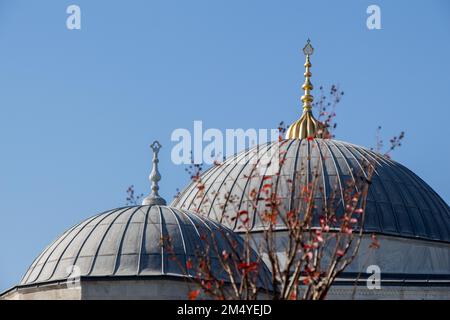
(307, 126)
(154, 198)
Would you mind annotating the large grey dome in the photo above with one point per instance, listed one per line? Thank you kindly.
(129, 242)
(399, 202)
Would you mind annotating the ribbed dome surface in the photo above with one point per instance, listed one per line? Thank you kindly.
(399, 202)
(129, 242)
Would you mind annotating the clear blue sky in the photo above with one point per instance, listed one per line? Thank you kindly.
(78, 109)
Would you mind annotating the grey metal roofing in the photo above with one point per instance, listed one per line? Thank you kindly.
(134, 241)
(399, 202)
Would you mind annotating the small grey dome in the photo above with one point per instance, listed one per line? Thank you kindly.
(399, 202)
(130, 242)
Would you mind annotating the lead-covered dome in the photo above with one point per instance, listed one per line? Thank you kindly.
(130, 242)
(399, 202)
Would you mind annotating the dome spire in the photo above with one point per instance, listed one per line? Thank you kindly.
(307, 126)
(154, 198)
(307, 98)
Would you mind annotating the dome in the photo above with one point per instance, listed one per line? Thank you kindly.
(399, 203)
(129, 242)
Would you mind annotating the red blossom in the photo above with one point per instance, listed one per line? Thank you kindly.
(207, 284)
(225, 254)
(247, 267)
(340, 253)
(347, 230)
(290, 214)
(293, 295)
(202, 265)
(194, 294)
(242, 215)
(375, 243)
(271, 217)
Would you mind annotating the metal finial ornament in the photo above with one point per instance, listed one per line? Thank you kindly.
(308, 49)
(154, 198)
(307, 126)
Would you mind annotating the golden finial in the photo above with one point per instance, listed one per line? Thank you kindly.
(307, 126)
